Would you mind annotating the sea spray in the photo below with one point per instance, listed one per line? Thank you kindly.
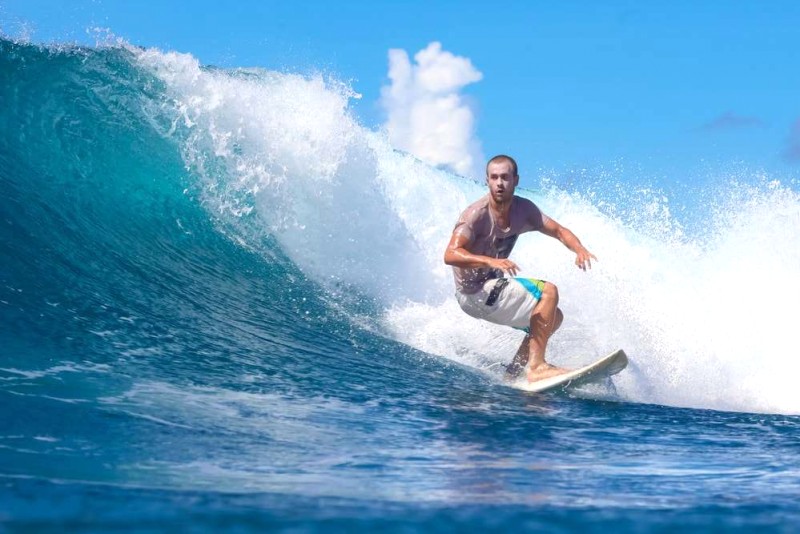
(280, 166)
(356, 215)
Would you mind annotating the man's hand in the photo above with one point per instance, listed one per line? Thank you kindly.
(505, 265)
(583, 259)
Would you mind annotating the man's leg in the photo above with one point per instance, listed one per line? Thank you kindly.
(545, 319)
(517, 365)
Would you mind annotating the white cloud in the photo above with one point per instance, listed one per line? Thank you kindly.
(427, 115)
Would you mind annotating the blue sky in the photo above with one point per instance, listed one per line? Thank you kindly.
(670, 91)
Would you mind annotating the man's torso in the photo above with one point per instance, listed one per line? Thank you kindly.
(486, 237)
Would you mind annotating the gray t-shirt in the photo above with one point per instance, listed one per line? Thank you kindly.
(486, 238)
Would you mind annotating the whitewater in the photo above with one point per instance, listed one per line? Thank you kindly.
(700, 315)
(219, 287)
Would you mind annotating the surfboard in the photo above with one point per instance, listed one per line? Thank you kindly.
(602, 368)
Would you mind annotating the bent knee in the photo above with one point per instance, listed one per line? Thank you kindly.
(550, 290)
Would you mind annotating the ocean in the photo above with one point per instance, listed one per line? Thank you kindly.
(223, 307)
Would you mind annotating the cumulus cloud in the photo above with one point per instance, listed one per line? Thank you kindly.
(426, 113)
(792, 152)
(731, 121)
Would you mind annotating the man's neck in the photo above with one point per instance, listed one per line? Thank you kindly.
(500, 208)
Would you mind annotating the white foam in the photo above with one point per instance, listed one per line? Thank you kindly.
(707, 321)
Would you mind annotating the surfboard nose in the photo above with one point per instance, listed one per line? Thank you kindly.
(619, 363)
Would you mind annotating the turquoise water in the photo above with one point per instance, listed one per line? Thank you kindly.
(223, 305)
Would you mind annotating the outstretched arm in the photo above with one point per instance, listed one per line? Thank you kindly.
(583, 258)
(457, 255)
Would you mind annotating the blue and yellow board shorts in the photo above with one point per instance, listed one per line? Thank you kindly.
(506, 301)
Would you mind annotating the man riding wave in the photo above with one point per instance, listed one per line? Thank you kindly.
(478, 251)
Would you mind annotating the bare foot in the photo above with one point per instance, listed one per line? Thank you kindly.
(545, 370)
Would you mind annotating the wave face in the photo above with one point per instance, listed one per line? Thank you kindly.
(226, 260)
(280, 156)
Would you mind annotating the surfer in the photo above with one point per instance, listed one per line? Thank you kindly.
(478, 252)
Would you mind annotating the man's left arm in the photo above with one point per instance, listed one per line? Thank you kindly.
(583, 258)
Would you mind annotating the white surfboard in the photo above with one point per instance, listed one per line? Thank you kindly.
(602, 368)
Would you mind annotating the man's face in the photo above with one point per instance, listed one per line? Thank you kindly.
(501, 180)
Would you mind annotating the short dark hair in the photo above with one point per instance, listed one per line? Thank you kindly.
(503, 157)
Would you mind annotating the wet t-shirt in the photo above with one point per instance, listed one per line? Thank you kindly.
(486, 238)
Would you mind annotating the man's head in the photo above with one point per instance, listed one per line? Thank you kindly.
(501, 158)
(502, 178)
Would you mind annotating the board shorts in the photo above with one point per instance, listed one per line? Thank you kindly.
(506, 301)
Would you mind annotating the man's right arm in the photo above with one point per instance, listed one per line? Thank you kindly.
(457, 255)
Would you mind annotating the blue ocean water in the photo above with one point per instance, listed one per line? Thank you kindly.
(223, 306)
